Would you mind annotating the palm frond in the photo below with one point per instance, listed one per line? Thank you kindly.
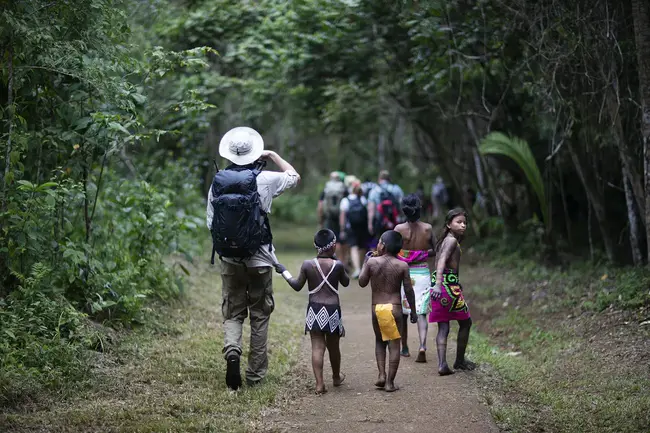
(498, 143)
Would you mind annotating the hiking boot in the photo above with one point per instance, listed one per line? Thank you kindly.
(233, 376)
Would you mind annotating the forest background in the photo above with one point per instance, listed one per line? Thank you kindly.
(111, 111)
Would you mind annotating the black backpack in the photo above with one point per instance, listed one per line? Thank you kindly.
(357, 214)
(239, 226)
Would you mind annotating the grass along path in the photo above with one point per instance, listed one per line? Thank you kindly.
(548, 366)
(544, 367)
(171, 378)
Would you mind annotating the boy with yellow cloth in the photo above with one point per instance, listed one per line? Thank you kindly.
(386, 275)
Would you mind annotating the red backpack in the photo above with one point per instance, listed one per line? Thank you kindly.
(386, 212)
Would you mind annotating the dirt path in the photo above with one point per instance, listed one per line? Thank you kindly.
(425, 402)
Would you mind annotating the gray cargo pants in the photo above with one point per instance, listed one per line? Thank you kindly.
(247, 290)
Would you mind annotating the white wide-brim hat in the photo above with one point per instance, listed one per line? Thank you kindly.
(241, 145)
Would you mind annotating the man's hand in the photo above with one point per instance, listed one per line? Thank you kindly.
(436, 291)
(279, 268)
(414, 316)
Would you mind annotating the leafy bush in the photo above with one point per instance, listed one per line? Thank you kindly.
(42, 339)
(105, 277)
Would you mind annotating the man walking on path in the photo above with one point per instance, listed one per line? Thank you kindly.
(246, 278)
(384, 205)
(439, 197)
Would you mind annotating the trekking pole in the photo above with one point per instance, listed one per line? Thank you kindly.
(216, 167)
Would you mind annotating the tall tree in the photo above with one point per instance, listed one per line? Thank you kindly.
(641, 13)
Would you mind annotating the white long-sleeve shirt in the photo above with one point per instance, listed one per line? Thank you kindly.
(270, 184)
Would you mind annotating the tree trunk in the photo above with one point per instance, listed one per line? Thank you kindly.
(641, 16)
(4, 257)
(10, 122)
(637, 257)
(627, 159)
(595, 200)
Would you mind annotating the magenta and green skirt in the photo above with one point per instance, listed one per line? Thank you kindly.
(451, 305)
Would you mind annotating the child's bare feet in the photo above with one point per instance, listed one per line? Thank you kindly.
(337, 381)
(391, 387)
(321, 390)
(465, 364)
(381, 382)
(445, 370)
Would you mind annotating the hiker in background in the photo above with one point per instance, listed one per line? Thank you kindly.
(386, 275)
(367, 186)
(384, 205)
(329, 207)
(424, 201)
(323, 319)
(447, 301)
(418, 253)
(354, 226)
(439, 197)
(238, 204)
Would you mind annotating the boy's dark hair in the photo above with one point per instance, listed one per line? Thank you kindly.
(393, 242)
(324, 237)
(411, 207)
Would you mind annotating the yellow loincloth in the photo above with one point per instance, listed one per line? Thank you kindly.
(386, 321)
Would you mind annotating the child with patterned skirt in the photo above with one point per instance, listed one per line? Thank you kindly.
(417, 251)
(447, 301)
(386, 275)
(323, 320)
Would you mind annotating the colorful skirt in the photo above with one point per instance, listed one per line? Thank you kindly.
(324, 318)
(451, 305)
(421, 282)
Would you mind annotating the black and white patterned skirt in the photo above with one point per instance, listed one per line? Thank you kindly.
(324, 318)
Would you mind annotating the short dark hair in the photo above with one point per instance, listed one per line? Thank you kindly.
(324, 237)
(411, 206)
(393, 242)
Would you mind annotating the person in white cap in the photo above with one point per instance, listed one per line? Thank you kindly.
(239, 202)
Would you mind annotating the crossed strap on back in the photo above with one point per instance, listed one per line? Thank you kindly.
(325, 278)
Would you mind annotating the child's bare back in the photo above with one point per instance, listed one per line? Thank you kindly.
(386, 274)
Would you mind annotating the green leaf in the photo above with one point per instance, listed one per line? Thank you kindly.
(46, 185)
(115, 126)
(497, 143)
(26, 185)
(184, 269)
(138, 98)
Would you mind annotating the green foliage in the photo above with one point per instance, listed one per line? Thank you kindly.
(497, 143)
(86, 232)
(42, 340)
